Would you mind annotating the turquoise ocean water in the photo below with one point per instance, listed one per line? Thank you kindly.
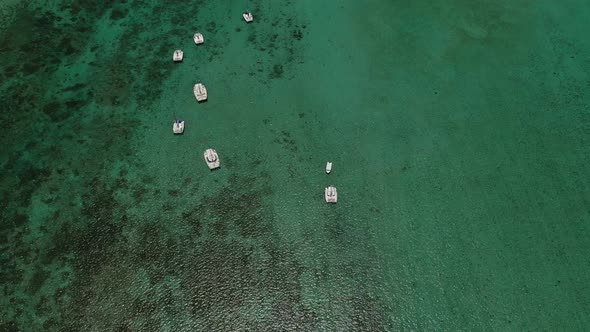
(459, 133)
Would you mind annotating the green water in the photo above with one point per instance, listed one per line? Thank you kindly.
(459, 134)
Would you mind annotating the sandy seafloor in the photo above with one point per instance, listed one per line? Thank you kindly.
(459, 132)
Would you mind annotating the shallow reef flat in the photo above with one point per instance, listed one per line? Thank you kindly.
(459, 136)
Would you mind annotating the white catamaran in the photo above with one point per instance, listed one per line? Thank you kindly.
(211, 159)
(200, 92)
(248, 17)
(331, 194)
(178, 56)
(178, 127)
(198, 38)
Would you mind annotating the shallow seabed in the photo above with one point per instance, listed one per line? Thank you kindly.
(459, 134)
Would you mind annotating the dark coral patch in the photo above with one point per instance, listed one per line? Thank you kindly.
(118, 14)
(277, 71)
(211, 27)
(74, 87)
(297, 34)
(20, 219)
(38, 279)
(30, 68)
(55, 111)
(9, 326)
(286, 141)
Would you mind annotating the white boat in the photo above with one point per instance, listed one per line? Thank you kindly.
(211, 159)
(200, 92)
(178, 127)
(198, 38)
(248, 17)
(178, 55)
(331, 194)
(328, 167)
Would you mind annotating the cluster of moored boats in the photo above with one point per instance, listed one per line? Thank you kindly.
(330, 192)
(199, 89)
(200, 92)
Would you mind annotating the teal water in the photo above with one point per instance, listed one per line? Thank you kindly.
(459, 134)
